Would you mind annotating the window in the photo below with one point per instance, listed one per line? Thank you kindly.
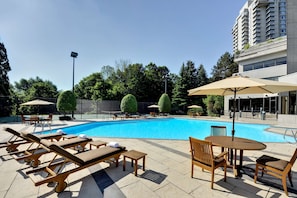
(267, 63)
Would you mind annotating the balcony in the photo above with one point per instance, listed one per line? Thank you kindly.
(261, 3)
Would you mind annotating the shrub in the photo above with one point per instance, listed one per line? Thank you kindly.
(164, 104)
(195, 111)
(129, 104)
(66, 102)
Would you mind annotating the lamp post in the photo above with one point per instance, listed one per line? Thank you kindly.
(165, 78)
(73, 55)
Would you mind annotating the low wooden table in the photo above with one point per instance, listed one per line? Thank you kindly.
(134, 156)
(97, 144)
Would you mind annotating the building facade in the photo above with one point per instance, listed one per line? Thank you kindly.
(265, 46)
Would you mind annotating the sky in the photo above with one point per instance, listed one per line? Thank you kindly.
(39, 36)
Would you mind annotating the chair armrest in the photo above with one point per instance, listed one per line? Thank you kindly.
(222, 154)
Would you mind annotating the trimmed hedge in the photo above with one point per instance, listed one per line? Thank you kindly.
(129, 104)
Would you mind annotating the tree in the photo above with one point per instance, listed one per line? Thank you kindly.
(164, 104)
(201, 76)
(187, 80)
(154, 83)
(5, 100)
(107, 71)
(225, 67)
(129, 104)
(35, 88)
(93, 87)
(66, 102)
(214, 104)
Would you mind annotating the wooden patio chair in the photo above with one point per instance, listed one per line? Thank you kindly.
(202, 155)
(276, 167)
(25, 120)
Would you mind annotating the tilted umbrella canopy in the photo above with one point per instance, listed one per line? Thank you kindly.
(37, 102)
(242, 85)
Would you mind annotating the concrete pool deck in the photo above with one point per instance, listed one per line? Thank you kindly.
(167, 173)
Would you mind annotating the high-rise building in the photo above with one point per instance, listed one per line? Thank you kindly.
(265, 46)
(258, 21)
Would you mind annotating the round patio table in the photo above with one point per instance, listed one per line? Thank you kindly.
(240, 144)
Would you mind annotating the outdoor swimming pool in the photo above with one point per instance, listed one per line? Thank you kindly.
(170, 128)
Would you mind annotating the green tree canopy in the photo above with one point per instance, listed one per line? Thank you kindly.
(224, 68)
(93, 87)
(188, 80)
(5, 100)
(35, 88)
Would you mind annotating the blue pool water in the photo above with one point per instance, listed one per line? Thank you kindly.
(171, 128)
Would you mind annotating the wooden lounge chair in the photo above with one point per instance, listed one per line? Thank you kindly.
(18, 139)
(276, 167)
(202, 155)
(32, 155)
(55, 171)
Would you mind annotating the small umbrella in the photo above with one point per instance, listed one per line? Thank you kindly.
(153, 106)
(194, 106)
(241, 85)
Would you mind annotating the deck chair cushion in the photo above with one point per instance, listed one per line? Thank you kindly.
(98, 154)
(31, 137)
(63, 152)
(85, 157)
(68, 143)
(273, 162)
(218, 160)
(37, 138)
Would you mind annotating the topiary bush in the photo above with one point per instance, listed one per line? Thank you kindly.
(66, 102)
(129, 104)
(164, 104)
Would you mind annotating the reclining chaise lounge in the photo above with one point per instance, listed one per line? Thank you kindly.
(32, 155)
(55, 171)
(17, 139)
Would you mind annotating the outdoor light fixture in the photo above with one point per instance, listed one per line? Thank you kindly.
(73, 55)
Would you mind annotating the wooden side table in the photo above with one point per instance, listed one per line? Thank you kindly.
(134, 156)
(97, 144)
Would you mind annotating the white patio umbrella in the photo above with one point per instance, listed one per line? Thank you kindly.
(242, 85)
(37, 102)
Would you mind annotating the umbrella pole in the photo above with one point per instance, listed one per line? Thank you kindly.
(233, 117)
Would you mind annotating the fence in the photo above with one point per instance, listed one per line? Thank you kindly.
(86, 109)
